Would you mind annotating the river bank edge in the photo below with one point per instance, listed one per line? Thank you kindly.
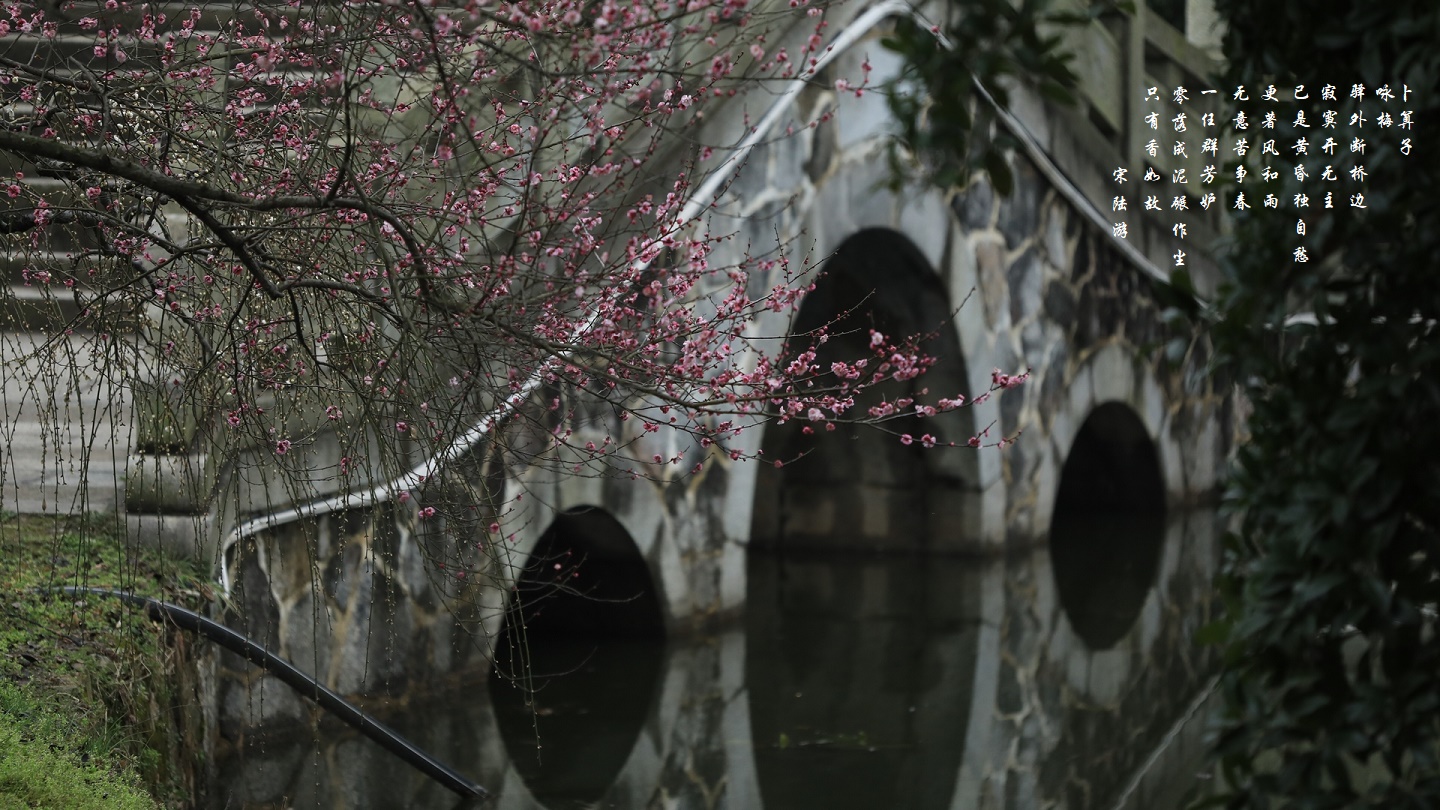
(99, 706)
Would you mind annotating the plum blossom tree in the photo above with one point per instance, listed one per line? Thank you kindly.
(383, 220)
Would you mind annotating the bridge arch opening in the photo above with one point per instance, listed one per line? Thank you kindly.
(578, 664)
(1108, 526)
(858, 487)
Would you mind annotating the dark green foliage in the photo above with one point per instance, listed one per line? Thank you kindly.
(946, 128)
(1331, 691)
(1171, 11)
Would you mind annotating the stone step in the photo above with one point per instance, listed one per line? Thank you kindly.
(58, 194)
(17, 266)
(212, 17)
(31, 309)
(74, 53)
(64, 449)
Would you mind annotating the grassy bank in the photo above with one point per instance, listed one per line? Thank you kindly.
(97, 705)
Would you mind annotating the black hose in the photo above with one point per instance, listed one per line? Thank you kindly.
(307, 686)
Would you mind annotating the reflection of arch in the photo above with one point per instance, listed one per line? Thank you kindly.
(858, 486)
(585, 621)
(860, 672)
(1108, 524)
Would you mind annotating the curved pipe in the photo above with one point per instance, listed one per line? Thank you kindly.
(307, 686)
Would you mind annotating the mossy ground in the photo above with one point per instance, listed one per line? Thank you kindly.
(96, 701)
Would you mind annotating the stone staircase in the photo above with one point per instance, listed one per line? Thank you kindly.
(25, 301)
(65, 415)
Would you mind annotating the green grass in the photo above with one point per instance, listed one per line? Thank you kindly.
(44, 761)
(95, 699)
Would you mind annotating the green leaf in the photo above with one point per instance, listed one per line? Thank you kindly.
(999, 172)
(1216, 632)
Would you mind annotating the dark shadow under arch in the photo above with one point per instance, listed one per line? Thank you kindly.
(579, 662)
(858, 487)
(1108, 527)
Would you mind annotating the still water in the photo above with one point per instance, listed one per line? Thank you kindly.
(1057, 677)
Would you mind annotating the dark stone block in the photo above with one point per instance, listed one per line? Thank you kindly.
(350, 523)
(1126, 282)
(1020, 212)
(1008, 699)
(822, 151)
(1012, 402)
(1015, 456)
(1052, 386)
(974, 206)
(990, 263)
(1006, 358)
(1087, 319)
(342, 572)
(1060, 304)
(1032, 341)
(1082, 258)
(260, 619)
(1143, 326)
(385, 541)
(1023, 278)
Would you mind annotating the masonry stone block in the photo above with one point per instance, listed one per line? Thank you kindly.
(871, 203)
(865, 118)
(1058, 247)
(1109, 675)
(1019, 216)
(1077, 666)
(1172, 463)
(266, 702)
(1012, 402)
(990, 258)
(1082, 398)
(975, 206)
(305, 636)
(1060, 304)
(1034, 341)
(1046, 482)
(925, 219)
(183, 536)
(1084, 257)
(822, 149)
(1061, 640)
(1149, 623)
(1023, 278)
(174, 484)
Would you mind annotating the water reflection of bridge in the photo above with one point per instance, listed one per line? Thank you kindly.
(909, 682)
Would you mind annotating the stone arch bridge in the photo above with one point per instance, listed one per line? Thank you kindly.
(1035, 280)
(1115, 416)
